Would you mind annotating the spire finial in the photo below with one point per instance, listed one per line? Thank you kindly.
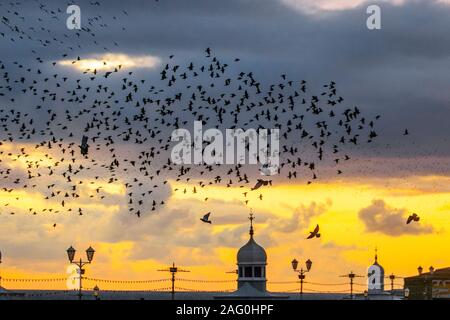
(376, 254)
(251, 218)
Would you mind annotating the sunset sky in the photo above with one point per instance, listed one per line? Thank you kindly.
(400, 72)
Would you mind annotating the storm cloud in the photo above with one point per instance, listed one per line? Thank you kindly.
(398, 71)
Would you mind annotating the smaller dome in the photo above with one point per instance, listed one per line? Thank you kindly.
(251, 252)
(377, 264)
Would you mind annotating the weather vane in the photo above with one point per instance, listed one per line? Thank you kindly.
(251, 218)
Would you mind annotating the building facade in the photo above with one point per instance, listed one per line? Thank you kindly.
(432, 285)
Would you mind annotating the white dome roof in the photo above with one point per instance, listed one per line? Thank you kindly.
(251, 252)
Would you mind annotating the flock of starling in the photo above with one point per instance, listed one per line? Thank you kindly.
(114, 126)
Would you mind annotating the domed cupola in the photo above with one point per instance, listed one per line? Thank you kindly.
(252, 261)
(251, 252)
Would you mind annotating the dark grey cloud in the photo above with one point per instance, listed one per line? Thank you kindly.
(399, 71)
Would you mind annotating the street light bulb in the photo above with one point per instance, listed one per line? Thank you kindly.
(71, 254)
(308, 264)
(90, 254)
(294, 264)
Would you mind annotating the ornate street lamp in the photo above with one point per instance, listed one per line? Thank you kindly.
(71, 254)
(301, 272)
(308, 264)
(80, 264)
(90, 254)
(294, 264)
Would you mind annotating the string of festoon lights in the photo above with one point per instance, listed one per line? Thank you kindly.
(126, 281)
(196, 290)
(34, 280)
(205, 281)
(164, 280)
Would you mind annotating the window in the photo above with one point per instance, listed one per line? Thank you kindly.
(240, 271)
(248, 272)
(258, 272)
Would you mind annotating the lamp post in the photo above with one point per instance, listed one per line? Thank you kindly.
(301, 272)
(351, 276)
(173, 270)
(80, 264)
(392, 278)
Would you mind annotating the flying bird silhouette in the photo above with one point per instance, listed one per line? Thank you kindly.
(116, 108)
(260, 183)
(205, 218)
(314, 234)
(412, 217)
